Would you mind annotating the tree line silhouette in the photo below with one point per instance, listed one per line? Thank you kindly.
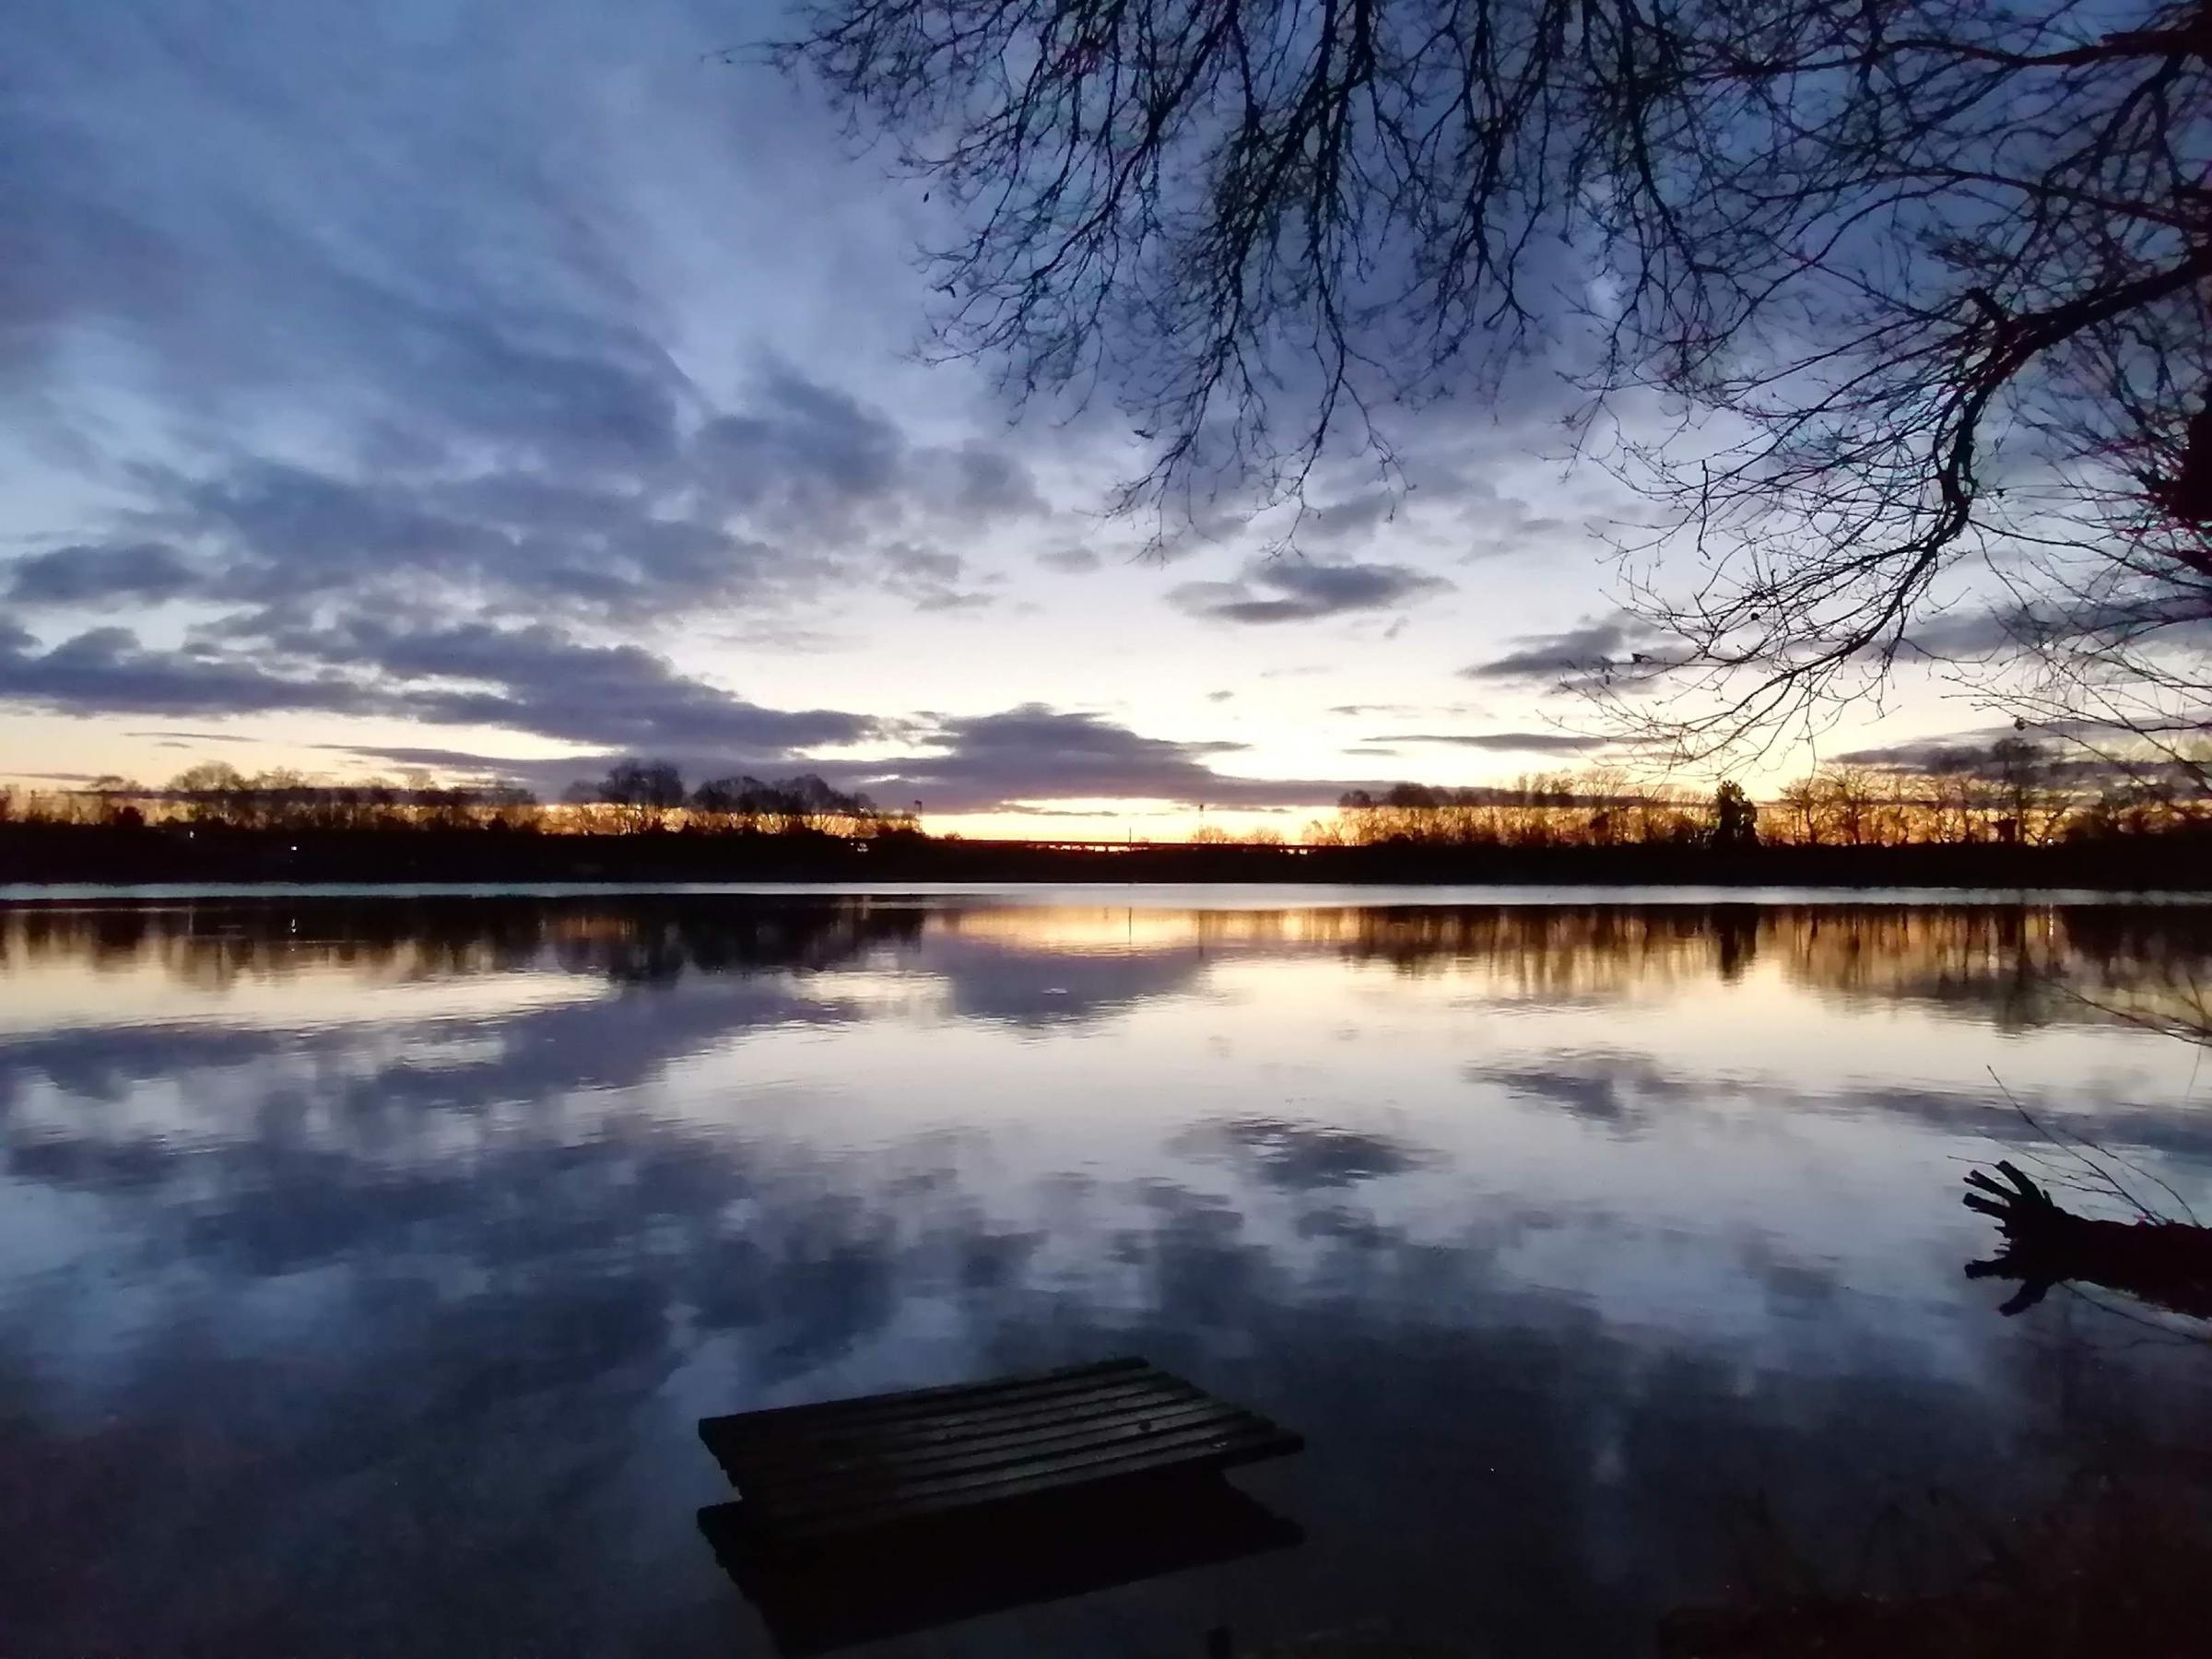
(633, 797)
(2016, 792)
(2012, 812)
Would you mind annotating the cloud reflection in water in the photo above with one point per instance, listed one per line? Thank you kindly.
(336, 1321)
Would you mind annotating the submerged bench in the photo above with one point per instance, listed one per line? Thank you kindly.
(811, 1475)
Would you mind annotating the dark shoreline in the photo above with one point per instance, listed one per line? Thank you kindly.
(35, 855)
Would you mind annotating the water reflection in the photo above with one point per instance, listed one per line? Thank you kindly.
(2012, 963)
(364, 1264)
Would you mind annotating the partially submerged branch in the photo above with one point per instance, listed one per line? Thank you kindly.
(2165, 1262)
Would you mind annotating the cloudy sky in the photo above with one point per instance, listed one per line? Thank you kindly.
(495, 387)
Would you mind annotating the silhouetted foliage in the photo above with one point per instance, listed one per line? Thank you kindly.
(1545, 810)
(1735, 818)
(640, 794)
(2014, 792)
(215, 795)
(633, 797)
(804, 805)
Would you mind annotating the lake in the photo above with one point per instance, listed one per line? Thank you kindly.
(366, 1261)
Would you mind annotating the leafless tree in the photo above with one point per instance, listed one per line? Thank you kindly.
(1803, 809)
(638, 796)
(1870, 289)
(1852, 795)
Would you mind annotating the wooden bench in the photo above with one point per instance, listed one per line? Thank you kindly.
(862, 1519)
(810, 1473)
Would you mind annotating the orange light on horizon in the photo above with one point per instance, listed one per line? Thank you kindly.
(1139, 823)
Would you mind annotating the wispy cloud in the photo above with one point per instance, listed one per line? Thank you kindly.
(1587, 650)
(1291, 589)
(538, 680)
(1538, 742)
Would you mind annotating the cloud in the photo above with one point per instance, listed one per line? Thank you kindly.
(1968, 634)
(1037, 752)
(1009, 760)
(100, 575)
(2079, 621)
(1301, 590)
(544, 776)
(1587, 648)
(238, 220)
(538, 679)
(517, 539)
(1074, 561)
(810, 461)
(1353, 519)
(934, 580)
(401, 320)
(1541, 743)
(805, 492)
(399, 374)
(1999, 754)
(106, 670)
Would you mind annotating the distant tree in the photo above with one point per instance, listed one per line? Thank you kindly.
(510, 807)
(1947, 790)
(1895, 818)
(448, 807)
(1211, 835)
(810, 805)
(1850, 795)
(727, 802)
(378, 805)
(211, 792)
(1735, 818)
(639, 794)
(273, 799)
(801, 805)
(2027, 798)
(1882, 240)
(1800, 802)
(114, 800)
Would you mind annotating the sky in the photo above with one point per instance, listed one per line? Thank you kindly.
(499, 389)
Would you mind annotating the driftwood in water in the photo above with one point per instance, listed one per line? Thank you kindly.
(2168, 1262)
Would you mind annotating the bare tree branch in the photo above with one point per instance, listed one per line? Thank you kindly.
(1927, 283)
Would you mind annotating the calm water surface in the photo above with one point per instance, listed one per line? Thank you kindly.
(366, 1262)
